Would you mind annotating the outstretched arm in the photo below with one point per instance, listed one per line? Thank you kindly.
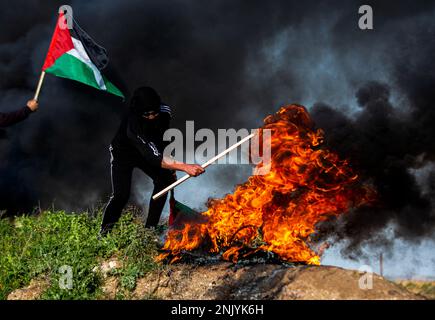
(191, 169)
(169, 163)
(152, 155)
(10, 118)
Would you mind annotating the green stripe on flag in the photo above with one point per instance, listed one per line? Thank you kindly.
(110, 87)
(69, 67)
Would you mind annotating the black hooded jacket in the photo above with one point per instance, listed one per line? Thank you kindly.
(10, 118)
(142, 139)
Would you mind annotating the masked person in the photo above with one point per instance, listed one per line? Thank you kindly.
(139, 144)
(10, 118)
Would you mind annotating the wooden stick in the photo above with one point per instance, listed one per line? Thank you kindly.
(38, 88)
(204, 165)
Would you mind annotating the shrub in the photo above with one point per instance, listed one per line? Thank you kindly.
(56, 241)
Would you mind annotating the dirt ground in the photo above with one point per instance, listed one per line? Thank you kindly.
(227, 281)
(30, 292)
(267, 281)
(422, 287)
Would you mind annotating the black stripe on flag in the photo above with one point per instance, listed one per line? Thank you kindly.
(96, 53)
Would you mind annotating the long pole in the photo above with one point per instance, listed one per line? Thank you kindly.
(38, 88)
(204, 165)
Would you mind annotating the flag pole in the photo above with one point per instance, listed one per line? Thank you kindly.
(204, 165)
(38, 88)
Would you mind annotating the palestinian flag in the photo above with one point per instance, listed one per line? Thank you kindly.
(74, 55)
(180, 214)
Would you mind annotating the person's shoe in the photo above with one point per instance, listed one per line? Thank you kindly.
(161, 229)
(160, 241)
(104, 231)
(160, 232)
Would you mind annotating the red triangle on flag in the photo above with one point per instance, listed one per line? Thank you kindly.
(61, 43)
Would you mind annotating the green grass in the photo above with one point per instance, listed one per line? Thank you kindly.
(35, 246)
(424, 288)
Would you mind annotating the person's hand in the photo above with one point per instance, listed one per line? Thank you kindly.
(32, 104)
(193, 169)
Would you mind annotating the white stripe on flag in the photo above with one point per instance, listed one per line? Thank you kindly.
(80, 53)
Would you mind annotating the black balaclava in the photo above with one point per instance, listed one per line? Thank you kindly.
(145, 99)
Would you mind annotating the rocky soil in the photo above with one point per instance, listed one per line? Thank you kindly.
(267, 281)
(260, 281)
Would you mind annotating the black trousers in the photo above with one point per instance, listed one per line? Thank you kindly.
(122, 166)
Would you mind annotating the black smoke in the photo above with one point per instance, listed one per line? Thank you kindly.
(228, 64)
(389, 140)
(390, 150)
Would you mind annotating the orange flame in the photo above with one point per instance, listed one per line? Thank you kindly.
(278, 211)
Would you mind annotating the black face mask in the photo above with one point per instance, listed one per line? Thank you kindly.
(150, 125)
